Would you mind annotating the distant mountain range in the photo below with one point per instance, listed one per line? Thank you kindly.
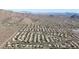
(70, 15)
(53, 13)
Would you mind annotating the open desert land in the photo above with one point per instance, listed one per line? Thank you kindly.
(37, 31)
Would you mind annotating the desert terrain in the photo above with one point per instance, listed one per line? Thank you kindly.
(37, 31)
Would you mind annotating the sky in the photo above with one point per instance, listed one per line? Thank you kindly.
(38, 4)
(41, 6)
(46, 10)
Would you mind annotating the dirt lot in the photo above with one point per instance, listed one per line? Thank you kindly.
(5, 33)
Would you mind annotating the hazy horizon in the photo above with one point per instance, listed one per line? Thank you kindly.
(46, 10)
